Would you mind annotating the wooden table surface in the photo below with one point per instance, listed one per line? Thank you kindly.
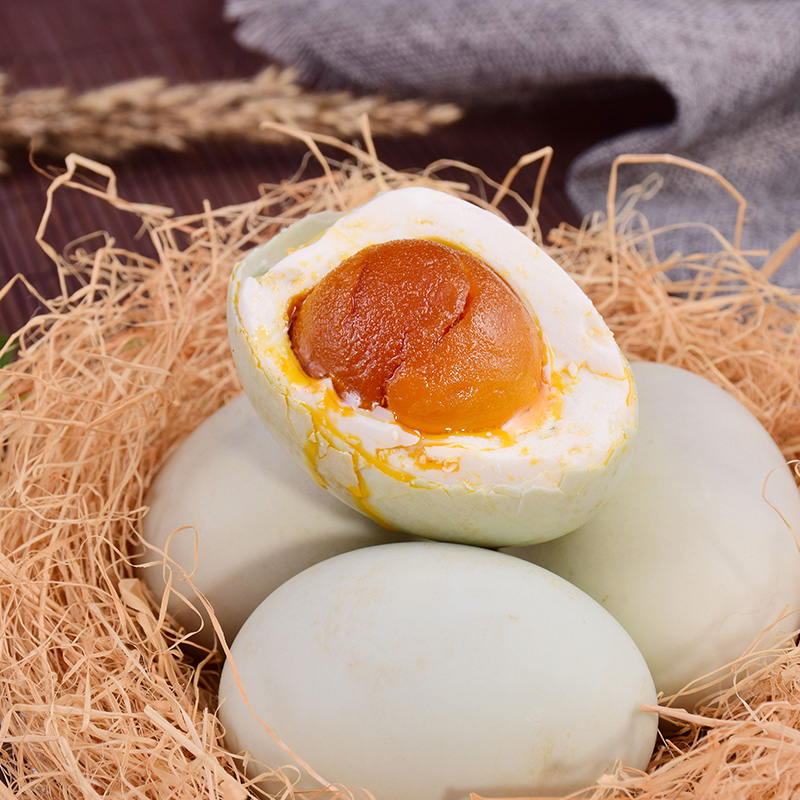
(87, 44)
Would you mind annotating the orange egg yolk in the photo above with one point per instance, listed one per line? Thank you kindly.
(425, 330)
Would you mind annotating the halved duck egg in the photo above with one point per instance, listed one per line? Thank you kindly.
(434, 368)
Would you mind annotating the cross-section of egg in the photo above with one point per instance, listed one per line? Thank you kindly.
(535, 472)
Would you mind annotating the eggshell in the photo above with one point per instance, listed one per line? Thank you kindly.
(688, 554)
(544, 474)
(428, 670)
(255, 519)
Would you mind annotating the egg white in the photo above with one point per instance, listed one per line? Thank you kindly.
(542, 475)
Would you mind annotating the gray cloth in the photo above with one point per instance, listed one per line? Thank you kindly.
(732, 66)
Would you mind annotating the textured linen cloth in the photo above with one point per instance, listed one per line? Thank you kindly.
(732, 67)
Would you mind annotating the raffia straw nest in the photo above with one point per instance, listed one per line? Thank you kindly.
(98, 697)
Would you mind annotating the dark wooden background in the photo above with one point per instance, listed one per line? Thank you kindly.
(86, 44)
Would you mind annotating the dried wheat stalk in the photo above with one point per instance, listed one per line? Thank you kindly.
(110, 122)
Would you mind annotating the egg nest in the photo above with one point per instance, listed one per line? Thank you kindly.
(100, 694)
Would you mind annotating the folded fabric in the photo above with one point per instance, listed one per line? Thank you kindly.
(732, 67)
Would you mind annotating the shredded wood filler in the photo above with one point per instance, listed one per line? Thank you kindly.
(97, 696)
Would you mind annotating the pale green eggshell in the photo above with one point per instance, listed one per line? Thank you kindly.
(688, 555)
(428, 670)
(252, 517)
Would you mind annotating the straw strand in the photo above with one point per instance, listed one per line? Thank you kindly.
(98, 695)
